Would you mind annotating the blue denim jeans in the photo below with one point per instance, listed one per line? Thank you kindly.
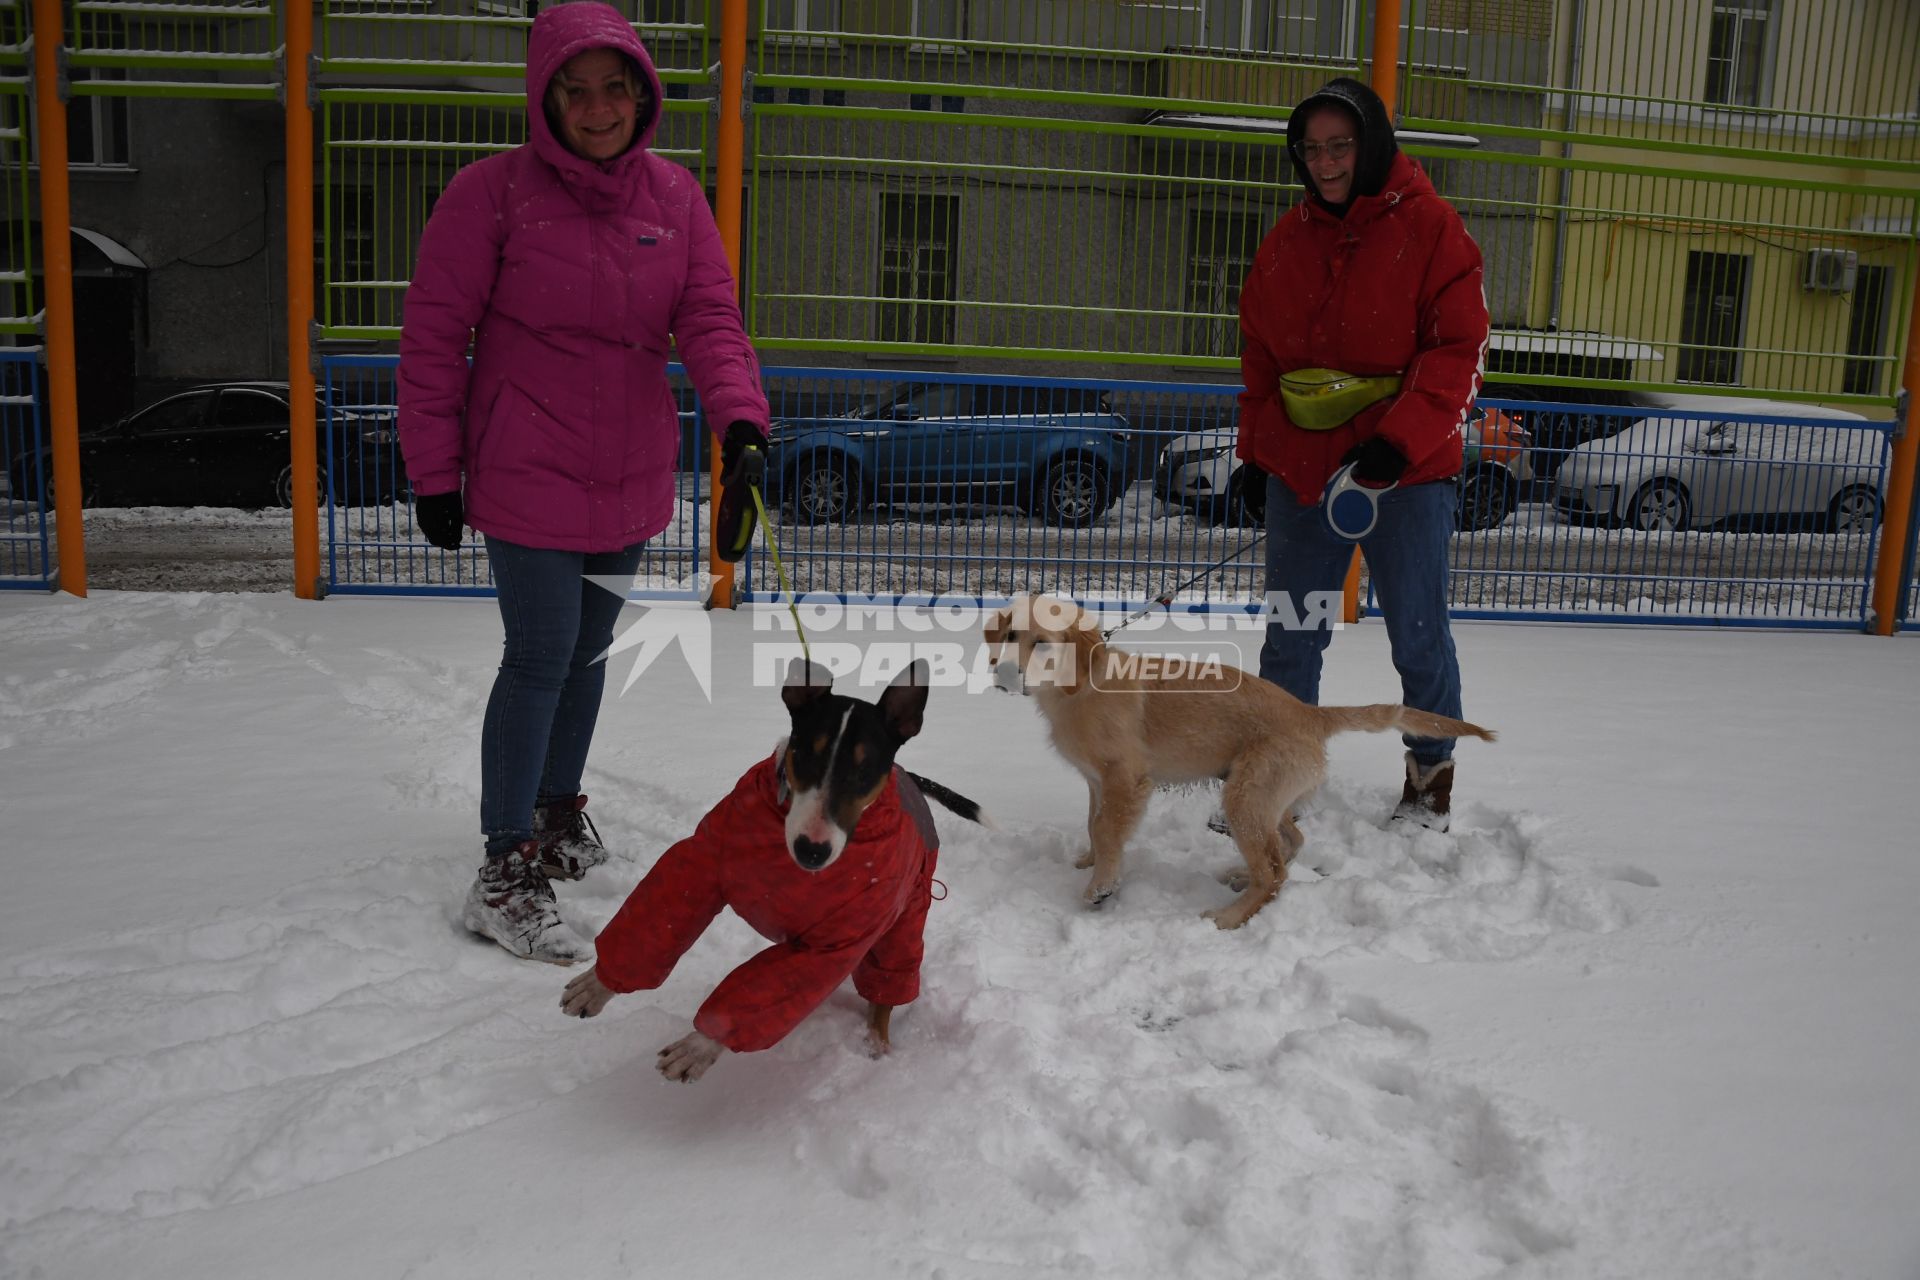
(1407, 560)
(546, 699)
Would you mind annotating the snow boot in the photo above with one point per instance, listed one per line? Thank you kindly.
(569, 842)
(1427, 795)
(512, 903)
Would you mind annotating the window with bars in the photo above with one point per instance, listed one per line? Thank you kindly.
(919, 242)
(1317, 27)
(1713, 317)
(1220, 249)
(1738, 53)
(1867, 332)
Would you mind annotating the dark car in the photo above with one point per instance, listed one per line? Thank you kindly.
(224, 445)
(1058, 453)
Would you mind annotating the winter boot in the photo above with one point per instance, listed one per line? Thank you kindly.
(569, 842)
(512, 903)
(1427, 796)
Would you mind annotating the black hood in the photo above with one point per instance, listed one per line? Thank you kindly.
(1377, 147)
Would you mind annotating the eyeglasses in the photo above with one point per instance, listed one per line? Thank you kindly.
(1332, 148)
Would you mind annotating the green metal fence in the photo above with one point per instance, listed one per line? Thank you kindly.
(1032, 182)
(410, 93)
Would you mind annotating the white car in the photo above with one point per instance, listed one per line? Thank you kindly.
(1199, 473)
(1665, 474)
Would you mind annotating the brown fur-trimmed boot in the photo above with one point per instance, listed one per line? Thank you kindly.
(569, 843)
(1427, 795)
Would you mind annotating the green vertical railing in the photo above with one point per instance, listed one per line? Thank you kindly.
(18, 309)
(410, 95)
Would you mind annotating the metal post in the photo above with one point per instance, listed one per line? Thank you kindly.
(728, 187)
(300, 394)
(56, 230)
(1890, 576)
(1385, 80)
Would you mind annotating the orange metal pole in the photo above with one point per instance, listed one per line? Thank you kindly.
(1888, 581)
(1385, 80)
(305, 454)
(729, 185)
(56, 233)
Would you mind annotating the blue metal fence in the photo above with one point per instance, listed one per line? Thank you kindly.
(918, 483)
(26, 543)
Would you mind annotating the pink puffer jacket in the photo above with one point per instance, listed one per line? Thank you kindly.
(570, 275)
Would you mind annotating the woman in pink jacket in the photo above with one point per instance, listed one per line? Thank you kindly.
(572, 263)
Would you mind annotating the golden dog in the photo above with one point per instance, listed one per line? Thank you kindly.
(1129, 730)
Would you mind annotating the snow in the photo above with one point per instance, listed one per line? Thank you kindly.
(1648, 1010)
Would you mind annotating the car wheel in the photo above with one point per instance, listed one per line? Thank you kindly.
(1073, 492)
(283, 487)
(1488, 495)
(822, 489)
(23, 482)
(1659, 506)
(1855, 509)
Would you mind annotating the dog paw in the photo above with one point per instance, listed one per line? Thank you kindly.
(1084, 861)
(1099, 891)
(688, 1058)
(1235, 878)
(1225, 917)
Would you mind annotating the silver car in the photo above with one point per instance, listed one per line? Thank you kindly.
(1665, 474)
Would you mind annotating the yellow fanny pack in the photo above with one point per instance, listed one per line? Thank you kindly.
(1322, 399)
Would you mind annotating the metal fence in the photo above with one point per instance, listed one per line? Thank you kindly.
(926, 484)
(24, 542)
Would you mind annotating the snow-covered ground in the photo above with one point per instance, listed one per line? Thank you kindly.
(1649, 1010)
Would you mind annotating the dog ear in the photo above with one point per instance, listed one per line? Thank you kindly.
(904, 704)
(806, 681)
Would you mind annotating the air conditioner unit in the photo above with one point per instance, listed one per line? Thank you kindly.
(1831, 270)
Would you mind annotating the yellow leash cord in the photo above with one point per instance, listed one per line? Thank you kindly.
(773, 545)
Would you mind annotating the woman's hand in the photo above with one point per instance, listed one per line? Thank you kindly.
(441, 516)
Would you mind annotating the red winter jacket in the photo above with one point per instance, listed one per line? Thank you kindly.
(570, 276)
(862, 915)
(1394, 287)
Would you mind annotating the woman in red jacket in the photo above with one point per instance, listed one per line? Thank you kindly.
(1371, 274)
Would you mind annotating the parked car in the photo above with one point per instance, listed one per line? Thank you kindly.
(1199, 473)
(1669, 473)
(1058, 453)
(223, 445)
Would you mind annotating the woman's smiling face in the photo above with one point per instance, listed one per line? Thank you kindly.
(1331, 150)
(596, 103)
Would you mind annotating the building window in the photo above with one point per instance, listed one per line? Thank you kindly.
(97, 127)
(1737, 53)
(919, 237)
(802, 15)
(1220, 249)
(1713, 317)
(1316, 27)
(939, 19)
(1867, 332)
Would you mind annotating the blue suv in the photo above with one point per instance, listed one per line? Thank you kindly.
(1058, 453)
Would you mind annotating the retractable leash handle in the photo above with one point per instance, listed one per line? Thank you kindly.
(1351, 508)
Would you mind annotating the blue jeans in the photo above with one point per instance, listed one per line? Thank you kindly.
(1407, 559)
(546, 699)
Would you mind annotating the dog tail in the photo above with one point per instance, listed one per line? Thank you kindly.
(950, 799)
(1383, 717)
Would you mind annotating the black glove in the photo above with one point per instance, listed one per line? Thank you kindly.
(440, 516)
(1376, 463)
(1253, 492)
(743, 468)
(743, 455)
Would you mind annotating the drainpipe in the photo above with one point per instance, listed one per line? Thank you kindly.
(1566, 174)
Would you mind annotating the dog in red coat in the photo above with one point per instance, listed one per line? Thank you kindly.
(826, 848)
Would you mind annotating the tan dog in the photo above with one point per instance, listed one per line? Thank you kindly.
(1129, 729)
